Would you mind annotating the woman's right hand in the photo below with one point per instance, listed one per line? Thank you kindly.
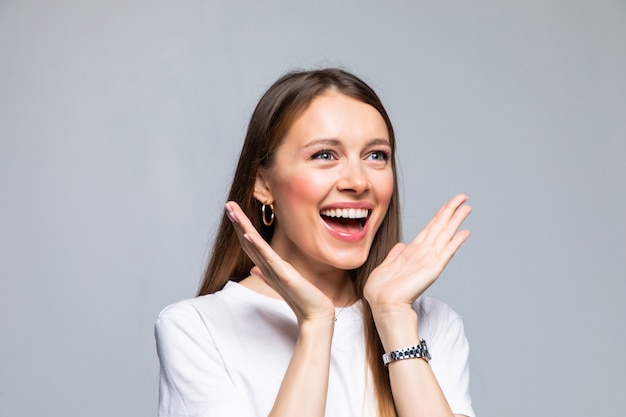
(304, 388)
(305, 299)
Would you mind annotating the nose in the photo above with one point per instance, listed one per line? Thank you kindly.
(353, 178)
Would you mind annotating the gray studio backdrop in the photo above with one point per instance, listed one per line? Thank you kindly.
(120, 122)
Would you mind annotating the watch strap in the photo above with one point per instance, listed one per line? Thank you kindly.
(417, 351)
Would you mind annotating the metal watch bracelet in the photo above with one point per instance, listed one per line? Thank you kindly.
(417, 351)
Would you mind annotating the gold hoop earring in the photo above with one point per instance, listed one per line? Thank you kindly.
(264, 216)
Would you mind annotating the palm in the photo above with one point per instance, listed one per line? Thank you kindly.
(304, 298)
(410, 269)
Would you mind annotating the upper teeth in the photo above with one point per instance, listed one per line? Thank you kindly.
(346, 213)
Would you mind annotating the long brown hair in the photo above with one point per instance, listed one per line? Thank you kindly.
(278, 108)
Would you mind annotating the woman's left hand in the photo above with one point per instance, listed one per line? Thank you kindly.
(410, 269)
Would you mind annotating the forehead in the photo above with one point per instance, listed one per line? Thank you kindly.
(333, 115)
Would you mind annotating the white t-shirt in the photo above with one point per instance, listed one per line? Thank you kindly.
(225, 354)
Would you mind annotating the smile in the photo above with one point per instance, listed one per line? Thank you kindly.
(348, 224)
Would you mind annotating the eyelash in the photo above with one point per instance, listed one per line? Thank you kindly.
(384, 155)
(318, 154)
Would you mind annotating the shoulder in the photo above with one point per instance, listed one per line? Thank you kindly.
(183, 322)
(200, 306)
(188, 307)
(193, 314)
(190, 310)
(222, 311)
(192, 325)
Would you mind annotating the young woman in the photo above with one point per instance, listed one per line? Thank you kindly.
(310, 305)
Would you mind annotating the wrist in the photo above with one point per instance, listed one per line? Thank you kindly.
(393, 315)
(396, 328)
(413, 352)
(320, 318)
(316, 327)
(393, 309)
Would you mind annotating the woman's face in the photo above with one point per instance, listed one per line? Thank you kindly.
(330, 183)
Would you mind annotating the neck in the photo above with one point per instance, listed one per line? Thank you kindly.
(330, 280)
(337, 286)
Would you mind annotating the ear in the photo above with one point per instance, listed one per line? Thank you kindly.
(262, 189)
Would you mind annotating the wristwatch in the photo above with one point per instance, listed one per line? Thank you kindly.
(417, 351)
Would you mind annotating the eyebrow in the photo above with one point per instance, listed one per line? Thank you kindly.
(336, 142)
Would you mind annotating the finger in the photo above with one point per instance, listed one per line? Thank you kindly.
(443, 217)
(269, 266)
(262, 254)
(422, 234)
(259, 251)
(450, 229)
(453, 246)
(244, 237)
(277, 273)
(251, 241)
(237, 216)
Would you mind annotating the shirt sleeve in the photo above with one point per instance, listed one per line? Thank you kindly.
(449, 349)
(193, 381)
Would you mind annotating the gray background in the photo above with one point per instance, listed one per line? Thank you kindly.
(120, 123)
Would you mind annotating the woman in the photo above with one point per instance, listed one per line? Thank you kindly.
(308, 286)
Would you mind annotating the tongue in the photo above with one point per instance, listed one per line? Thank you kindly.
(342, 225)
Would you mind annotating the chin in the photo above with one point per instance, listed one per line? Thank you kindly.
(349, 262)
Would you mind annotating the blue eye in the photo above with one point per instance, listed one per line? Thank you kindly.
(379, 156)
(324, 155)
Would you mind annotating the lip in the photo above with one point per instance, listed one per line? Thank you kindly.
(348, 205)
(348, 237)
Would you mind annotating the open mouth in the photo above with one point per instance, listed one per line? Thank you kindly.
(346, 220)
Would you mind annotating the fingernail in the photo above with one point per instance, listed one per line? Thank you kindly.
(231, 215)
(247, 237)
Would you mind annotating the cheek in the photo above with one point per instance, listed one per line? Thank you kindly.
(384, 187)
(300, 189)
